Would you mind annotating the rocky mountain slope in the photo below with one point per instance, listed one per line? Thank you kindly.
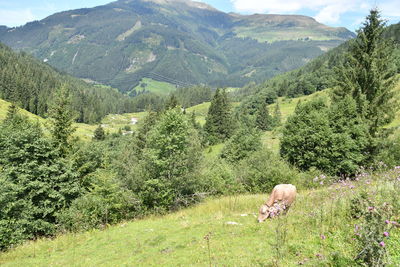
(180, 42)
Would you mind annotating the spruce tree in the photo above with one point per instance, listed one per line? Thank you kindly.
(99, 134)
(12, 111)
(368, 74)
(219, 122)
(61, 119)
(172, 102)
(277, 116)
(264, 120)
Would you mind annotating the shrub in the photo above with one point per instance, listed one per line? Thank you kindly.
(332, 139)
(106, 203)
(389, 152)
(218, 178)
(244, 142)
(261, 171)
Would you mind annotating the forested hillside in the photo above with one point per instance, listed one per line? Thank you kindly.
(32, 85)
(123, 42)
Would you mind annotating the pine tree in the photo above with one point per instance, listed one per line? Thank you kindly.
(99, 134)
(219, 123)
(264, 120)
(61, 120)
(193, 121)
(172, 102)
(12, 111)
(277, 117)
(368, 74)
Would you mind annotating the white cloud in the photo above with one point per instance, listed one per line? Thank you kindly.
(326, 11)
(19, 17)
(390, 8)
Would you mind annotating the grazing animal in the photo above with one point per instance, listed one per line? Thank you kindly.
(281, 198)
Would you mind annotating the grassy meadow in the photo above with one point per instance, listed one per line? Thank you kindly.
(157, 87)
(317, 231)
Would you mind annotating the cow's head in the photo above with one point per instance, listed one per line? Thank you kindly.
(263, 213)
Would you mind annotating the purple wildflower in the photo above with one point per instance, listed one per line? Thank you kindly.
(382, 244)
(387, 221)
(323, 237)
(370, 208)
(386, 234)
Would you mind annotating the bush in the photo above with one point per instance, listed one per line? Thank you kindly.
(218, 178)
(261, 171)
(244, 142)
(332, 139)
(389, 152)
(106, 203)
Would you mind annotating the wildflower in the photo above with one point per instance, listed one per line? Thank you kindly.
(387, 221)
(386, 234)
(323, 237)
(382, 244)
(370, 208)
(321, 183)
(352, 187)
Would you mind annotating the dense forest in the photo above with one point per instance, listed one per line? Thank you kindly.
(32, 85)
(53, 183)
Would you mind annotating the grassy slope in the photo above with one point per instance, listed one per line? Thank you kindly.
(157, 87)
(111, 123)
(178, 239)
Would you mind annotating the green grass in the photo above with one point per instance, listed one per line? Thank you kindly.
(111, 123)
(178, 239)
(4, 107)
(156, 87)
(266, 34)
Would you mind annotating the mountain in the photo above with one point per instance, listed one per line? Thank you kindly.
(176, 41)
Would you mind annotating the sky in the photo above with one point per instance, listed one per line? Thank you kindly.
(337, 13)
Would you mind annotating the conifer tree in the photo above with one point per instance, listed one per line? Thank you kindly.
(61, 119)
(219, 123)
(172, 102)
(99, 134)
(277, 117)
(12, 111)
(264, 120)
(368, 74)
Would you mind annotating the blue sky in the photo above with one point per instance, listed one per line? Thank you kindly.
(346, 13)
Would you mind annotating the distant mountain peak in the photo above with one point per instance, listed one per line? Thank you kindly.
(189, 3)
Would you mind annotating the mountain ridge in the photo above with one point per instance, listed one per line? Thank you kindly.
(122, 42)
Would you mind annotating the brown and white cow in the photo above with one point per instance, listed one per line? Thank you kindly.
(279, 201)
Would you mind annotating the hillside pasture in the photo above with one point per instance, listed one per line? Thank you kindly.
(317, 231)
